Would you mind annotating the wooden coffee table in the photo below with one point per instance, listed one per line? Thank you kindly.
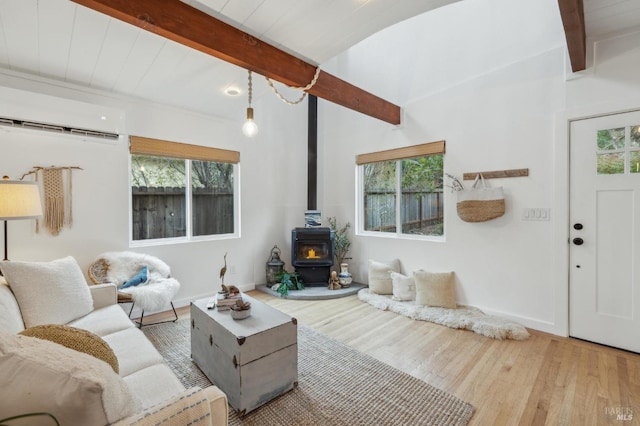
(252, 360)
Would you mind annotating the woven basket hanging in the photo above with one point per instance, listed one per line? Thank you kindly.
(480, 203)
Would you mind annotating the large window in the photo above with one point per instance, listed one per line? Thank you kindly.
(181, 191)
(400, 191)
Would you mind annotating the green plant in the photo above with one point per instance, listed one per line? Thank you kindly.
(341, 243)
(289, 281)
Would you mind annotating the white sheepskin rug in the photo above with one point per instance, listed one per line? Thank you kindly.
(464, 317)
(159, 289)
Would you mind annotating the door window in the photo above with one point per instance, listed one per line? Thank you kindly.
(618, 150)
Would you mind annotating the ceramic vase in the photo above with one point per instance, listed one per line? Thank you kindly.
(344, 276)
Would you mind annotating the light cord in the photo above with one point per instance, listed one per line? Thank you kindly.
(250, 89)
(304, 89)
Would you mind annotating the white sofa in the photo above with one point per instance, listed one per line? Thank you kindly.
(145, 388)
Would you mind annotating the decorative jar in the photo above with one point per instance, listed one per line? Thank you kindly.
(344, 276)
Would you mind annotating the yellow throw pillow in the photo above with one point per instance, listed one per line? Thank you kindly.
(435, 289)
(77, 339)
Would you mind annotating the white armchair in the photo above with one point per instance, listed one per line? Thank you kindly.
(153, 294)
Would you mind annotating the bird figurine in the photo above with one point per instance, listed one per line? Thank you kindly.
(224, 269)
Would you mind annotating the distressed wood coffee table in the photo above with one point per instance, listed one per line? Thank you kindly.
(252, 360)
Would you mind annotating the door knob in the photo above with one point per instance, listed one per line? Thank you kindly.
(578, 241)
(577, 226)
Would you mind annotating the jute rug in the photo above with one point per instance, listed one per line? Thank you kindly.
(337, 385)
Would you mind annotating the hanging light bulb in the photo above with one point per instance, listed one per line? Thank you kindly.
(250, 128)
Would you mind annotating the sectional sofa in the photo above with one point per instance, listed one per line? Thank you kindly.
(129, 385)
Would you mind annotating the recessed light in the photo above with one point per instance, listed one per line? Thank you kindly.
(232, 91)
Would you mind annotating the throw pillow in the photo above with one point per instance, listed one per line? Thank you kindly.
(48, 292)
(435, 289)
(76, 388)
(404, 288)
(139, 278)
(77, 339)
(379, 276)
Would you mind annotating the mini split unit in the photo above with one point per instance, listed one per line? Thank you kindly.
(33, 125)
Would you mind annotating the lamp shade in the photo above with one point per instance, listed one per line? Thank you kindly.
(19, 200)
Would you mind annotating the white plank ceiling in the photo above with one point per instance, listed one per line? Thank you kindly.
(61, 41)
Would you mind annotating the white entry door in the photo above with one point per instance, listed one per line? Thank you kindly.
(604, 278)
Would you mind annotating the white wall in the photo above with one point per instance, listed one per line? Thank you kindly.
(273, 196)
(513, 117)
(503, 120)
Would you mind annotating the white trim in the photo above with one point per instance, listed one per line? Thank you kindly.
(533, 323)
(560, 202)
(189, 238)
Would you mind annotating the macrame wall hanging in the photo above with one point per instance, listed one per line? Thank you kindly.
(56, 190)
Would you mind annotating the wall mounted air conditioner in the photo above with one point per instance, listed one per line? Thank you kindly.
(30, 111)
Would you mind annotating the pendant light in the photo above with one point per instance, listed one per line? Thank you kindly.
(250, 128)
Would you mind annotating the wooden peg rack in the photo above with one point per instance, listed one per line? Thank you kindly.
(497, 174)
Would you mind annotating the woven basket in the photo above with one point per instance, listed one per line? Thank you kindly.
(98, 275)
(480, 210)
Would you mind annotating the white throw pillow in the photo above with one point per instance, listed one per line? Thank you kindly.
(435, 289)
(379, 276)
(404, 288)
(74, 387)
(48, 292)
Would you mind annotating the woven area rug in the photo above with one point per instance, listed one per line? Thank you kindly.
(464, 317)
(337, 385)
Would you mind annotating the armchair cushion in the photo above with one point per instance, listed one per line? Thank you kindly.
(48, 292)
(154, 295)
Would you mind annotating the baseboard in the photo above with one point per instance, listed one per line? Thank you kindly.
(533, 323)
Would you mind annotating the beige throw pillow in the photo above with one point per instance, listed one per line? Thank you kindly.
(435, 289)
(404, 288)
(380, 276)
(76, 388)
(48, 292)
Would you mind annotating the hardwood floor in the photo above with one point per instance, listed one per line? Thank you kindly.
(545, 380)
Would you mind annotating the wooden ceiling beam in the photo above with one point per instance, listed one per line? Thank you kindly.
(186, 25)
(572, 13)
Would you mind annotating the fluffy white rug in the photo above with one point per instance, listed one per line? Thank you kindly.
(465, 317)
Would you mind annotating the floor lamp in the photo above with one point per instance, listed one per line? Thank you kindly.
(18, 200)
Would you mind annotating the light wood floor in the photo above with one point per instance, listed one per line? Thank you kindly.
(545, 380)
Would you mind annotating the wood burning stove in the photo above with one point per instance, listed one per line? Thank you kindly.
(312, 254)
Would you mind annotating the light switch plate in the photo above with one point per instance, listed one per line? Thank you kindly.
(536, 214)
